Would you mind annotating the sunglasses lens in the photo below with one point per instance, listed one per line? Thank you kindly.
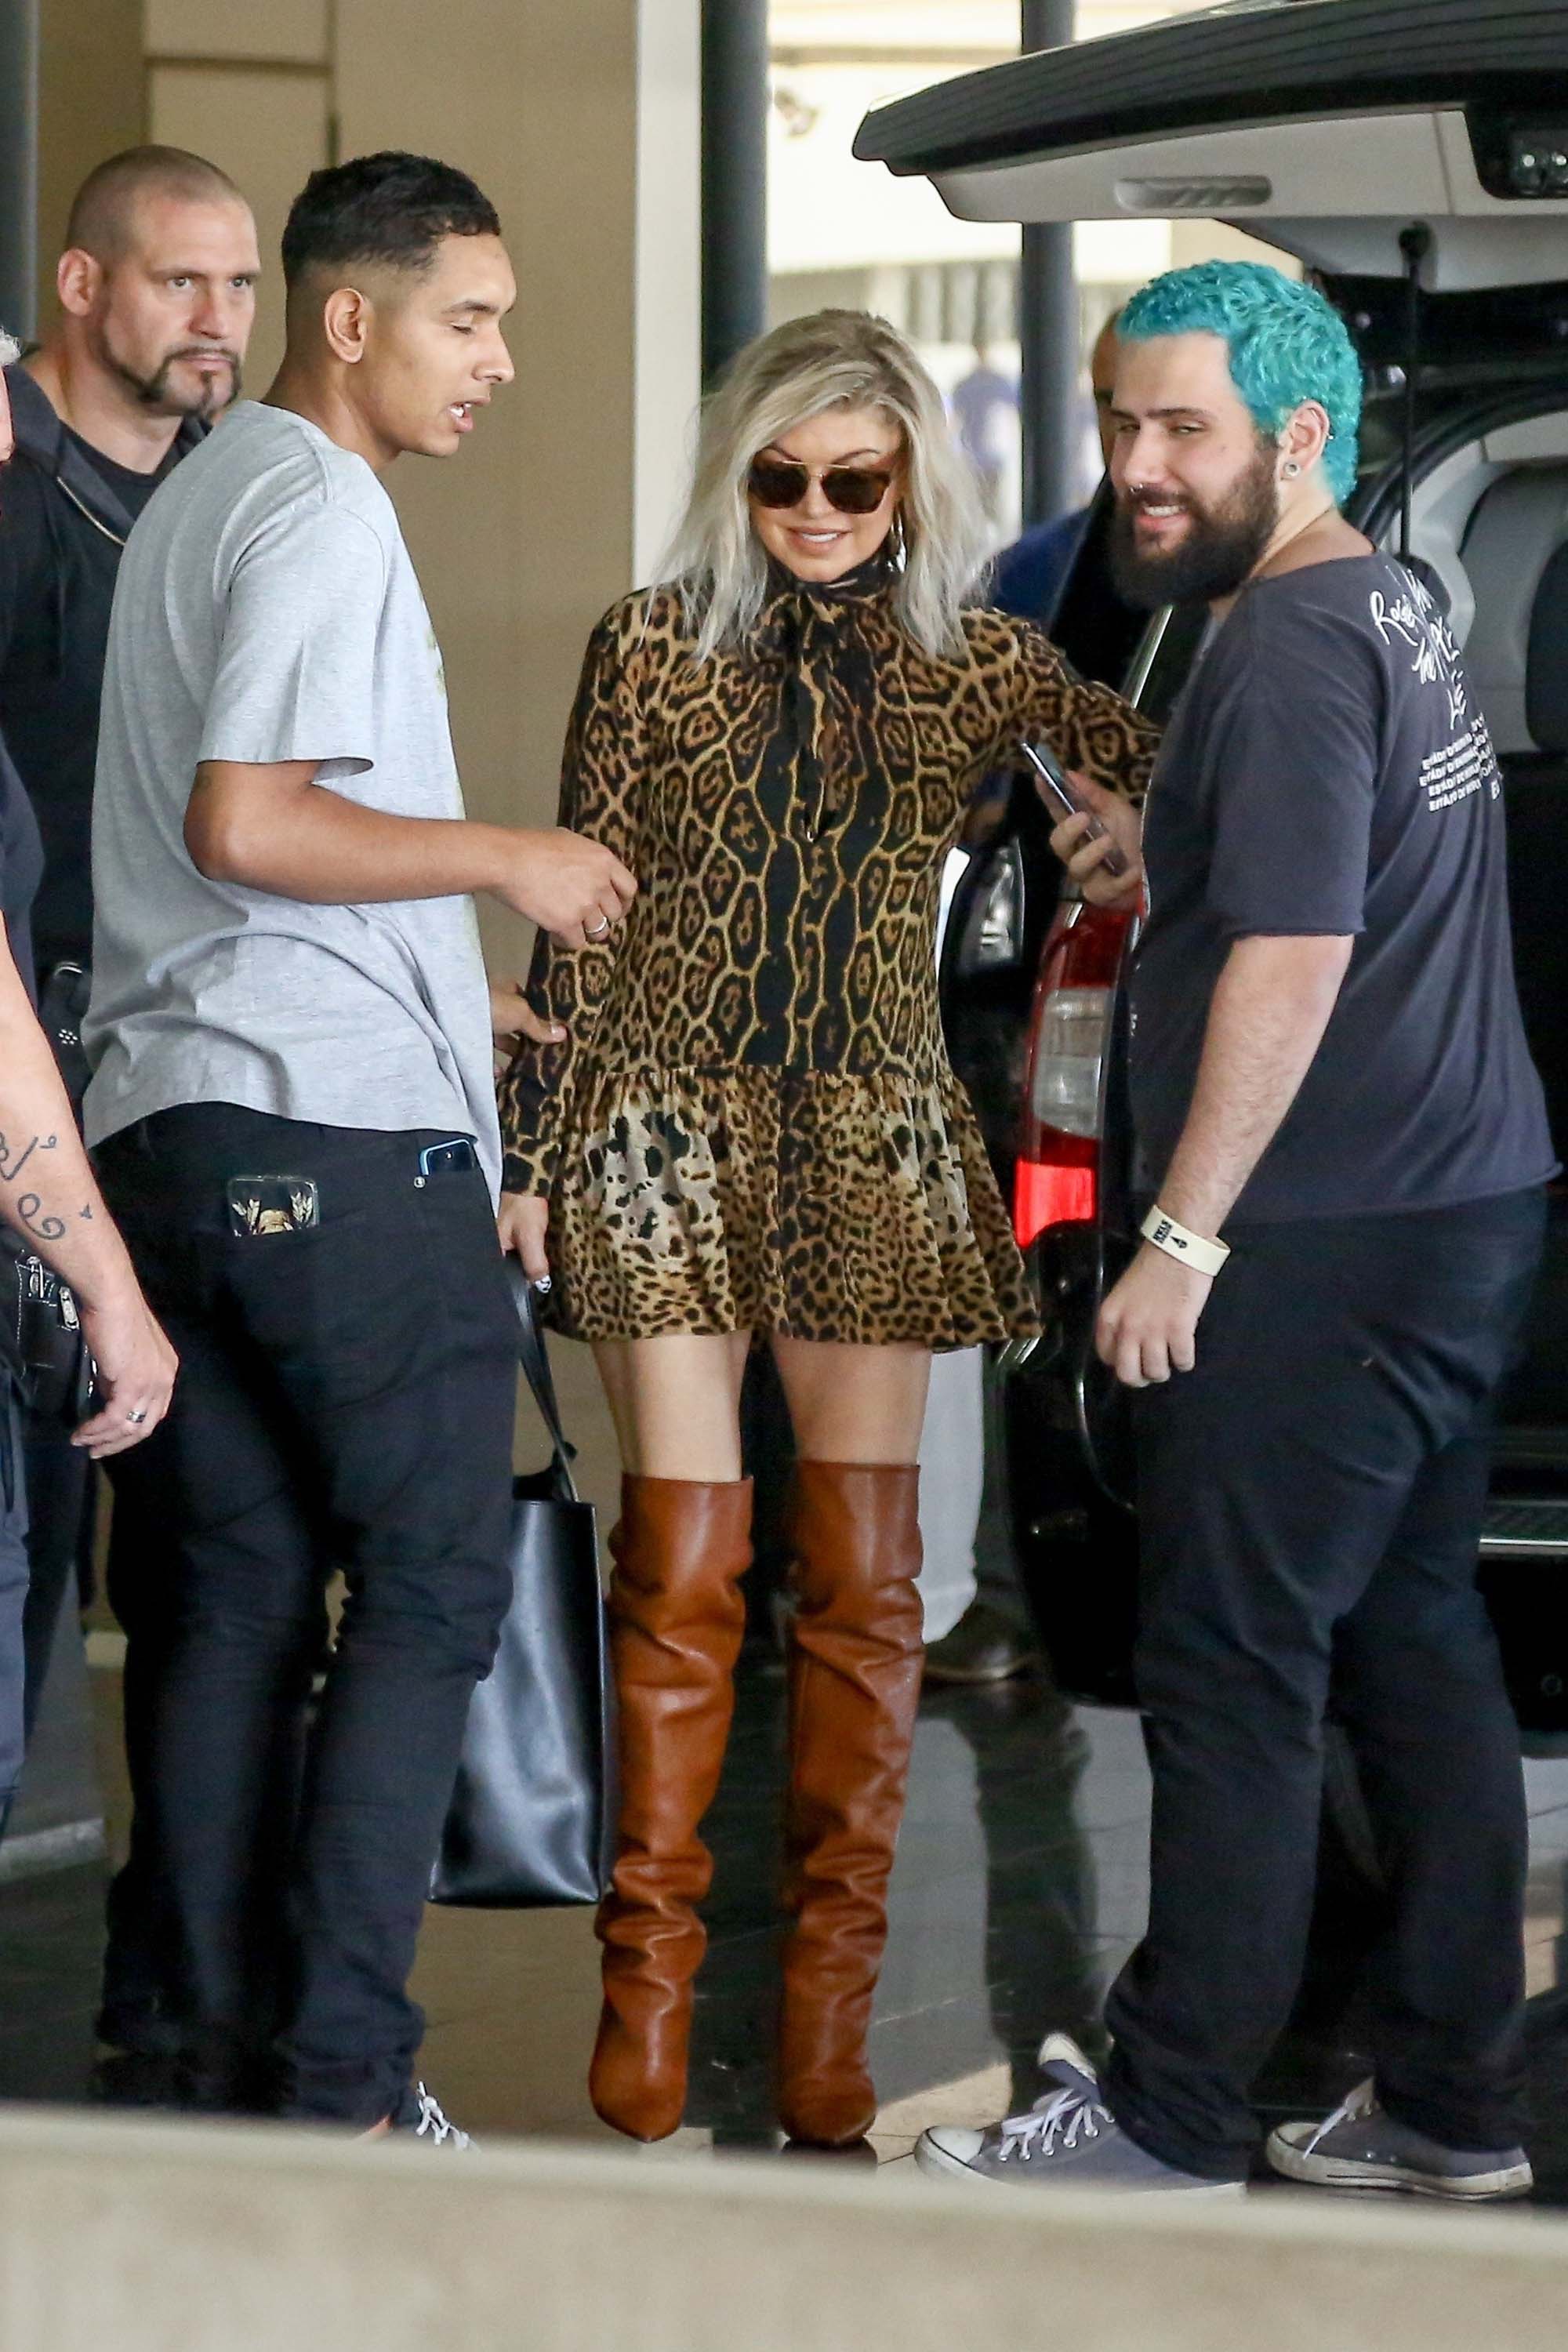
(854, 489)
(774, 484)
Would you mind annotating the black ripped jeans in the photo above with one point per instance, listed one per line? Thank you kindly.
(344, 1402)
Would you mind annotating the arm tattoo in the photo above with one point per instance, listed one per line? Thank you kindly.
(43, 1228)
(30, 1211)
(11, 1167)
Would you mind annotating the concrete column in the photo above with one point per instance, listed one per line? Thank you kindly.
(1047, 319)
(18, 163)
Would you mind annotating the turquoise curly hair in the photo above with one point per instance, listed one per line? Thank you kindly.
(1286, 344)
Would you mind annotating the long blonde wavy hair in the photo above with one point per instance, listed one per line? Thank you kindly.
(834, 359)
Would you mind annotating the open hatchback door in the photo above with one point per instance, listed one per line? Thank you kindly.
(1323, 127)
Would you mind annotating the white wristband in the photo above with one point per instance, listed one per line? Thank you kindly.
(1178, 1242)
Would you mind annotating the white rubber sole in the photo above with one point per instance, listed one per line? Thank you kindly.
(1340, 2172)
(936, 2162)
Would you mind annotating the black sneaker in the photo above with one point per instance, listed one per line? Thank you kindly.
(420, 2117)
(983, 1647)
(1362, 2147)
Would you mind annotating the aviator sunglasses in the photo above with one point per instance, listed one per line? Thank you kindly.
(852, 489)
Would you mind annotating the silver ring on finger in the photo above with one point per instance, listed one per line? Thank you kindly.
(599, 930)
(137, 1417)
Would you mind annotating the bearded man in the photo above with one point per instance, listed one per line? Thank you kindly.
(1340, 1145)
(157, 293)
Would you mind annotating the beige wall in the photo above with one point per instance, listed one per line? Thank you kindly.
(91, 101)
(523, 540)
(581, 123)
(268, 129)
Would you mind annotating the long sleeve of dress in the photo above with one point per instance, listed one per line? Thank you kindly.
(601, 776)
(1088, 727)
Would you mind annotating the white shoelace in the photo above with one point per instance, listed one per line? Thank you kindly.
(434, 2126)
(1056, 2123)
(1360, 2103)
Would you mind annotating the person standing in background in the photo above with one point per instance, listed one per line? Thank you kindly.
(156, 289)
(52, 1208)
(157, 295)
(1031, 574)
(977, 1617)
(984, 405)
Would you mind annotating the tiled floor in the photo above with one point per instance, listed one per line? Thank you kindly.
(1021, 1885)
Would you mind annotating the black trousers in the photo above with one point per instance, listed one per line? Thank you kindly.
(1310, 1499)
(13, 1594)
(60, 1513)
(344, 1402)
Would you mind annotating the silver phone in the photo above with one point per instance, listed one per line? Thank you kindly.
(1050, 771)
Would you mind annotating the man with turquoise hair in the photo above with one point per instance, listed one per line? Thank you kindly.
(1340, 1145)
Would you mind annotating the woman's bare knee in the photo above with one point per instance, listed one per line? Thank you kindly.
(854, 1403)
(675, 1403)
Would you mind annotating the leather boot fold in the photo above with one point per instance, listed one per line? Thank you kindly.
(677, 1618)
(854, 1679)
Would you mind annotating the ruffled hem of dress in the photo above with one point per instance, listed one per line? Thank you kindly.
(860, 1209)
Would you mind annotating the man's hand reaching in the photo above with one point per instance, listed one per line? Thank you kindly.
(573, 887)
(514, 1022)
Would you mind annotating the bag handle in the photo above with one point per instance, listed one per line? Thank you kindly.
(534, 1359)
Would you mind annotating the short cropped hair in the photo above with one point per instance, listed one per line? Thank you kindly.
(1286, 344)
(391, 209)
(105, 202)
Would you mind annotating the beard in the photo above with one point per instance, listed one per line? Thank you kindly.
(1222, 547)
(155, 393)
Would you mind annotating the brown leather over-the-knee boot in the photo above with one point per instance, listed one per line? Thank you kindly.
(854, 1679)
(677, 1618)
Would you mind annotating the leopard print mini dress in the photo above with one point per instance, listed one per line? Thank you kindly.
(751, 1124)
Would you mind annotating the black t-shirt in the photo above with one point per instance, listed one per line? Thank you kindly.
(132, 489)
(60, 557)
(1328, 773)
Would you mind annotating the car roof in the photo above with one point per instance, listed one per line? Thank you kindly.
(1323, 126)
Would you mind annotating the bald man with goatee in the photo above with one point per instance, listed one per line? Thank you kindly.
(156, 290)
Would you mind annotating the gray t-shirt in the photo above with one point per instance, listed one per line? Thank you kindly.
(266, 610)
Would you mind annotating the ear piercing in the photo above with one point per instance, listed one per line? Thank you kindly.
(1291, 470)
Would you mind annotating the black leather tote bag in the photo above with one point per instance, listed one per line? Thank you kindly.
(532, 1811)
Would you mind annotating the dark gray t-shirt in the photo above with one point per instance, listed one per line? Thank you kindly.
(1328, 771)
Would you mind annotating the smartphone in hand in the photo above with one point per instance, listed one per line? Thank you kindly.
(1059, 791)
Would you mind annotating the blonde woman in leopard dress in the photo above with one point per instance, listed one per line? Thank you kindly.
(750, 1133)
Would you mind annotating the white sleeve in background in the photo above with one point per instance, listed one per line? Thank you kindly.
(952, 1474)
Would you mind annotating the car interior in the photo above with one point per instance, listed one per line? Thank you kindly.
(1491, 522)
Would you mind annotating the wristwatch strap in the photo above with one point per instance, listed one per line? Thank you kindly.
(1180, 1242)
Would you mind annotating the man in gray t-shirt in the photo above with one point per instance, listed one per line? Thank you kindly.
(270, 615)
(293, 1114)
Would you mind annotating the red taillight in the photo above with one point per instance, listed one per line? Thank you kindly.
(1057, 1178)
